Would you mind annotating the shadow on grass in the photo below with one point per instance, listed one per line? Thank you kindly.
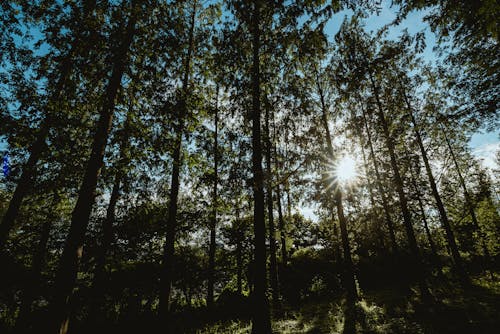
(399, 311)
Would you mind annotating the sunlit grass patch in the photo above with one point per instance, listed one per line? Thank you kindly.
(231, 327)
(372, 318)
(292, 326)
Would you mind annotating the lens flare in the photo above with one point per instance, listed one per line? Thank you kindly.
(345, 170)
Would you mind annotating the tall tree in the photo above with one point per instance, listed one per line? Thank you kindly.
(78, 47)
(213, 225)
(410, 233)
(468, 201)
(182, 111)
(261, 317)
(273, 269)
(378, 181)
(450, 237)
(108, 222)
(69, 262)
(335, 190)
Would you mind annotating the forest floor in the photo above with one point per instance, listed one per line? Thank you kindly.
(400, 311)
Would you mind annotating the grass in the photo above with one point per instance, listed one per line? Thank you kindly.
(387, 311)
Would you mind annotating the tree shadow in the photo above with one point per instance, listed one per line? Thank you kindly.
(453, 310)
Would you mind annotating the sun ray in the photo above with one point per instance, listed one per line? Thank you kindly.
(345, 170)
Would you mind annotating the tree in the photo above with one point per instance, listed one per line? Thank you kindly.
(182, 110)
(63, 71)
(68, 265)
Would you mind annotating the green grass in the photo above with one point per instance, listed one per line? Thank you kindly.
(387, 311)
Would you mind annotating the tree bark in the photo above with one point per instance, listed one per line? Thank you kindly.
(168, 250)
(349, 279)
(385, 204)
(273, 270)
(213, 225)
(261, 321)
(68, 265)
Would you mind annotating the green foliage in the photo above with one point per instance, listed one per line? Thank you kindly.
(57, 61)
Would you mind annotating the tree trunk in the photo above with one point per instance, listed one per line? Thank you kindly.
(370, 186)
(410, 234)
(211, 255)
(107, 236)
(239, 245)
(450, 237)
(349, 279)
(273, 271)
(281, 221)
(469, 204)
(385, 204)
(261, 321)
(68, 266)
(421, 207)
(107, 239)
(168, 250)
(239, 268)
(23, 322)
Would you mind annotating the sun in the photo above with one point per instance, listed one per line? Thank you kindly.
(345, 170)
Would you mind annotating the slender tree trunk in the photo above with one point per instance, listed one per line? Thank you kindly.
(27, 178)
(421, 207)
(107, 238)
(469, 204)
(168, 250)
(349, 279)
(240, 235)
(450, 237)
(239, 268)
(273, 270)
(261, 321)
(24, 184)
(370, 185)
(385, 204)
(211, 255)
(107, 227)
(410, 234)
(338, 254)
(281, 221)
(68, 266)
(23, 322)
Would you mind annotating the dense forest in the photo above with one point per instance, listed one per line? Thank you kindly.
(239, 166)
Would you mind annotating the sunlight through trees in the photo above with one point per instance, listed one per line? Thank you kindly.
(249, 166)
